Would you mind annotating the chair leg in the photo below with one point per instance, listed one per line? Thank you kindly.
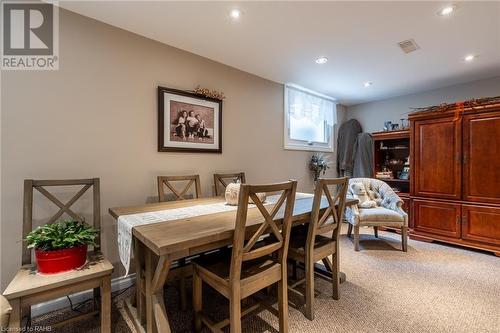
(356, 238)
(197, 301)
(375, 232)
(349, 229)
(336, 275)
(309, 310)
(15, 316)
(105, 292)
(235, 312)
(404, 238)
(283, 302)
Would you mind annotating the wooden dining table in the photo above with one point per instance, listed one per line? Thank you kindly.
(158, 245)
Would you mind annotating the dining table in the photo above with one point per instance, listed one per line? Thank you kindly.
(158, 245)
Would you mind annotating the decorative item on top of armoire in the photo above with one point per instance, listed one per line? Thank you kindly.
(473, 104)
(189, 122)
(319, 164)
(391, 150)
(346, 141)
(455, 173)
(387, 125)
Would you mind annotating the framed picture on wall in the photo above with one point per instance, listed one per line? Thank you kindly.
(188, 122)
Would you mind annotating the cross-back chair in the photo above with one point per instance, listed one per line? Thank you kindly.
(28, 288)
(221, 180)
(252, 265)
(315, 246)
(166, 181)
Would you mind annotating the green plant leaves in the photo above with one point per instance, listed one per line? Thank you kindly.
(62, 234)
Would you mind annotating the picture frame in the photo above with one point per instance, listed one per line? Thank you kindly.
(188, 122)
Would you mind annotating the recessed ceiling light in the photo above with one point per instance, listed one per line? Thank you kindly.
(469, 57)
(447, 10)
(368, 84)
(235, 14)
(321, 60)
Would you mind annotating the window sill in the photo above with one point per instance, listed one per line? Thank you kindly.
(309, 148)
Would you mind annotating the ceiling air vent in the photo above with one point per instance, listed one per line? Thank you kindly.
(408, 46)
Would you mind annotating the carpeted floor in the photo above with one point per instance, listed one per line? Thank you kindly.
(432, 288)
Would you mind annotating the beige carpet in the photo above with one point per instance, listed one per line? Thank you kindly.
(432, 288)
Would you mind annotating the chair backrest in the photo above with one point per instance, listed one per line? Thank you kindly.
(330, 219)
(64, 208)
(178, 195)
(221, 179)
(390, 199)
(278, 226)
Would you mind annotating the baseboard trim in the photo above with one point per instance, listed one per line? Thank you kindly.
(117, 284)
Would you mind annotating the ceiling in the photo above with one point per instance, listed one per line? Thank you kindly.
(281, 40)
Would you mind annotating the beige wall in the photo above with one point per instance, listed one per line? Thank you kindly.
(96, 117)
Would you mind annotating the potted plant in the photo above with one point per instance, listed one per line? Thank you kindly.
(319, 163)
(61, 246)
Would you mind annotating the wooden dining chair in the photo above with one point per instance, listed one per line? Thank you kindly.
(314, 246)
(178, 195)
(221, 179)
(189, 181)
(252, 265)
(29, 288)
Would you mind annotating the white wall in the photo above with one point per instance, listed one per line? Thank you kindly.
(372, 115)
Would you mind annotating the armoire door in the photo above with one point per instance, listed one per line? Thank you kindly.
(481, 224)
(438, 161)
(435, 217)
(481, 155)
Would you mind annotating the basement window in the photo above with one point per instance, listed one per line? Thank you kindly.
(309, 119)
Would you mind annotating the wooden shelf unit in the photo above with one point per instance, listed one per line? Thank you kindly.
(397, 147)
(398, 144)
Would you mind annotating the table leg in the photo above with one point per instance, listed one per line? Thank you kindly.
(148, 279)
(342, 277)
(140, 301)
(155, 277)
(327, 272)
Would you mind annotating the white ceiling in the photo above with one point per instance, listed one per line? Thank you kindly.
(280, 40)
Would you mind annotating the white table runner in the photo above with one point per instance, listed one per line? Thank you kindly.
(127, 222)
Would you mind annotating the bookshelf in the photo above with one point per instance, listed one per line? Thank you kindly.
(391, 152)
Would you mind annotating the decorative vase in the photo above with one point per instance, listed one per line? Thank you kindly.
(317, 173)
(57, 261)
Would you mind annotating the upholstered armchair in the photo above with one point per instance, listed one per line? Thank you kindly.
(388, 214)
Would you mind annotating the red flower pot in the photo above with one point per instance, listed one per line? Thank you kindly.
(50, 262)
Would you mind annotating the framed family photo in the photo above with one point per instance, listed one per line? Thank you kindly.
(188, 122)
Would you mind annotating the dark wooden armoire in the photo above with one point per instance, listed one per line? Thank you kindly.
(455, 176)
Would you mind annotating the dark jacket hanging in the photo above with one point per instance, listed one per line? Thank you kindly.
(363, 156)
(348, 133)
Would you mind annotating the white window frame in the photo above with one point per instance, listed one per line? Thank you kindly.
(291, 144)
